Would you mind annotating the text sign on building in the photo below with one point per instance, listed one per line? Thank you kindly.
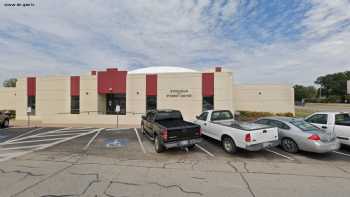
(178, 93)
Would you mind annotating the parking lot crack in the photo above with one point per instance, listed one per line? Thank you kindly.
(232, 166)
(26, 173)
(105, 192)
(176, 186)
(247, 184)
(96, 180)
(245, 166)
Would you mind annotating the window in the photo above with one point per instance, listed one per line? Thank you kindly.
(31, 104)
(221, 115)
(263, 121)
(279, 124)
(341, 119)
(113, 100)
(74, 105)
(151, 103)
(208, 103)
(203, 116)
(318, 119)
(304, 126)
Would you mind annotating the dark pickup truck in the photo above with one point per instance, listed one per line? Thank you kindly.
(4, 119)
(168, 130)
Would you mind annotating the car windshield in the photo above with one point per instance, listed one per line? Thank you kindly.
(303, 125)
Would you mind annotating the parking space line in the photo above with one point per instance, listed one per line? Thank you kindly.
(271, 151)
(92, 139)
(204, 150)
(140, 142)
(117, 129)
(31, 141)
(31, 136)
(21, 147)
(26, 133)
(340, 153)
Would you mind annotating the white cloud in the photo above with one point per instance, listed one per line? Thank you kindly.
(69, 37)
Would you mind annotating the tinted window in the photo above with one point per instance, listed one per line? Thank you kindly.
(318, 119)
(303, 125)
(74, 105)
(263, 121)
(208, 103)
(171, 115)
(279, 124)
(341, 118)
(221, 115)
(151, 103)
(203, 116)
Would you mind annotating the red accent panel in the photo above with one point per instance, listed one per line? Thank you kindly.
(111, 81)
(208, 84)
(31, 86)
(75, 86)
(151, 85)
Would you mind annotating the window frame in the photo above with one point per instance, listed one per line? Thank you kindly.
(75, 102)
(206, 103)
(203, 114)
(313, 116)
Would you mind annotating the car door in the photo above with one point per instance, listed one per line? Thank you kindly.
(283, 129)
(212, 128)
(342, 131)
(202, 121)
(320, 121)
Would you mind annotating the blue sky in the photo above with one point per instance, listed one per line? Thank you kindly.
(261, 41)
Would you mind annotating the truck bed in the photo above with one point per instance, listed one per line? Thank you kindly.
(175, 123)
(242, 125)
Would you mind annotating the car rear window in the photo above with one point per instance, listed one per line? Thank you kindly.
(169, 115)
(221, 115)
(341, 118)
(303, 125)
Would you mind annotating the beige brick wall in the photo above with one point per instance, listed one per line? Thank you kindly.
(272, 98)
(7, 98)
(223, 94)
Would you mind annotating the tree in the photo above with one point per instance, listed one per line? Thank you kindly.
(10, 82)
(304, 92)
(334, 84)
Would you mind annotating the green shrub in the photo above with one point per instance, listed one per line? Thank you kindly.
(253, 115)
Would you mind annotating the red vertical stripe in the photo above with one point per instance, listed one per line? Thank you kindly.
(151, 85)
(75, 85)
(111, 81)
(31, 86)
(208, 84)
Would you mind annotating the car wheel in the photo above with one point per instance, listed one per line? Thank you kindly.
(289, 145)
(158, 147)
(191, 147)
(6, 123)
(229, 145)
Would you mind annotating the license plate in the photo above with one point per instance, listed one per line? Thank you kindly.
(183, 143)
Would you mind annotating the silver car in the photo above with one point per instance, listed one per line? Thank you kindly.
(296, 134)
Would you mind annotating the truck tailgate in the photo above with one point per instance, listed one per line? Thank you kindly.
(263, 135)
(183, 133)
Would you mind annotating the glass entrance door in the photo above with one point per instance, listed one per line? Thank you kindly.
(112, 100)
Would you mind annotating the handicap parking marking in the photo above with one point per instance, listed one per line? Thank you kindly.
(140, 141)
(26, 133)
(205, 150)
(279, 154)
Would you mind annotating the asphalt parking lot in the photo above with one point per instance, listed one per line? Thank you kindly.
(122, 162)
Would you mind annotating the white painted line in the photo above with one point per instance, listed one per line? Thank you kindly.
(115, 129)
(271, 151)
(204, 150)
(31, 141)
(340, 153)
(140, 142)
(92, 139)
(31, 136)
(21, 147)
(13, 155)
(26, 133)
(56, 135)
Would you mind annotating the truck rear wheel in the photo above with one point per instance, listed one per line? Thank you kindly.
(6, 123)
(158, 147)
(229, 145)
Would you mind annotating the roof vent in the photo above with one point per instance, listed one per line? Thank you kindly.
(218, 69)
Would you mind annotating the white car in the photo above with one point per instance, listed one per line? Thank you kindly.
(220, 125)
(338, 122)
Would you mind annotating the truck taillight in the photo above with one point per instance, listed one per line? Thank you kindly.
(248, 137)
(165, 134)
(314, 137)
(199, 131)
